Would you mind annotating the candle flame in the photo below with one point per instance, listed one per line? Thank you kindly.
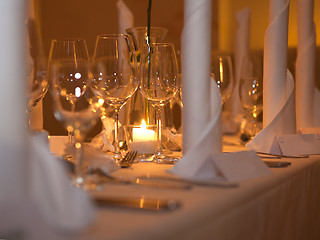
(143, 124)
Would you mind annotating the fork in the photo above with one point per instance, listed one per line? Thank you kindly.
(128, 159)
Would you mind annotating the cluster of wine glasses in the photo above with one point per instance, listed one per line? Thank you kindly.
(80, 87)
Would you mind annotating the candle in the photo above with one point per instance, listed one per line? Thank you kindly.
(142, 133)
(144, 140)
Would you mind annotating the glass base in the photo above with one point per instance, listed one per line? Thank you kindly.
(117, 157)
(161, 158)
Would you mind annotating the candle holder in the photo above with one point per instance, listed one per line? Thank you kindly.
(143, 139)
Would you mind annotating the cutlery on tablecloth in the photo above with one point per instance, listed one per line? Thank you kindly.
(200, 182)
(142, 181)
(277, 156)
(140, 203)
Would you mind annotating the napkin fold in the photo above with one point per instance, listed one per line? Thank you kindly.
(306, 99)
(207, 144)
(63, 206)
(95, 157)
(281, 124)
(230, 167)
(125, 17)
(278, 83)
(242, 37)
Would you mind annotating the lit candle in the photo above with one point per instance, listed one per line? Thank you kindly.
(142, 134)
(144, 140)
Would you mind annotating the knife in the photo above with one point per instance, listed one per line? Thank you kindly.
(141, 203)
(156, 183)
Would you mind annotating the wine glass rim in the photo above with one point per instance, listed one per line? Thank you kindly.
(113, 35)
(68, 40)
(142, 28)
(160, 44)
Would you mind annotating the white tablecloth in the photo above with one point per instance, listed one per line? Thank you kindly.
(284, 205)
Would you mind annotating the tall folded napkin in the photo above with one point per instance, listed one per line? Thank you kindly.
(125, 17)
(202, 102)
(196, 45)
(306, 105)
(278, 84)
(12, 102)
(242, 37)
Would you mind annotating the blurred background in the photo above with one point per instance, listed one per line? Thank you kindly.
(86, 19)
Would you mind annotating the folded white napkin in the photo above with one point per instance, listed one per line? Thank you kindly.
(202, 131)
(196, 45)
(64, 206)
(225, 168)
(95, 158)
(205, 145)
(307, 104)
(125, 17)
(278, 84)
(242, 39)
(281, 124)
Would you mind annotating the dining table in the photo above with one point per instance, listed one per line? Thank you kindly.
(282, 205)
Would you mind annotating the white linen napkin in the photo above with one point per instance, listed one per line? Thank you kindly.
(242, 38)
(63, 206)
(278, 84)
(264, 140)
(205, 145)
(202, 104)
(305, 68)
(196, 45)
(125, 17)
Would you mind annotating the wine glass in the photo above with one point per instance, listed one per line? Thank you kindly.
(37, 85)
(251, 88)
(159, 83)
(74, 105)
(115, 79)
(62, 49)
(222, 73)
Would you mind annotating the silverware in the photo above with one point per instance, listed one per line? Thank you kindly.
(138, 203)
(277, 156)
(141, 181)
(212, 183)
(128, 159)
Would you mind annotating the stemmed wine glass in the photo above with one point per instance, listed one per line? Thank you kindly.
(251, 88)
(62, 49)
(74, 105)
(115, 77)
(37, 85)
(222, 73)
(159, 83)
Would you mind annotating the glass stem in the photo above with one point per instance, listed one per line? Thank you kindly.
(158, 110)
(254, 125)
(73, 108)
(117, 154)
(79, 168)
